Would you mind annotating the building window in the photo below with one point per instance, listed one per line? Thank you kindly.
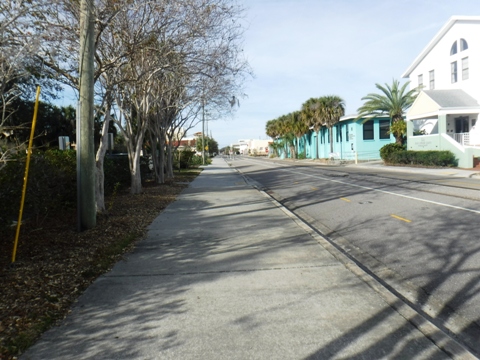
(368, 130)
(465, 68)
(453, 70)
(339, 133)
(384, 128)
(453, 49)
(463, 45)
(432, 79)
(420, 81)
(347, 137)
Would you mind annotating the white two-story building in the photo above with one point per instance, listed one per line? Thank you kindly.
(447, 74)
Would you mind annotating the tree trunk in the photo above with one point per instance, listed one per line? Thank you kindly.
(330, 132)
(161, 157)
(292, 151)
(169, 161)
(99, 160)
(136, 177)
(155, 158)
(135, 174)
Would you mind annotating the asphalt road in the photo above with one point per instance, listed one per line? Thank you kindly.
(417, 233)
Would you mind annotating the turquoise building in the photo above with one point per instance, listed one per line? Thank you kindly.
(361, 140)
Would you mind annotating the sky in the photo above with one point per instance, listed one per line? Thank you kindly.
(300, 49)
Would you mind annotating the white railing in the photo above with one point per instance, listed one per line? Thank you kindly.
(461, 138)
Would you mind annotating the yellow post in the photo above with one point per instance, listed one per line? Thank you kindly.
(29, 152)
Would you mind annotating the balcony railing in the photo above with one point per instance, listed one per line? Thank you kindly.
(461, 138)
(466, 139)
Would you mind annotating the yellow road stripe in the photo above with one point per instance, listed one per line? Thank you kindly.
(314, 188)
(400, 218)
(345, 199)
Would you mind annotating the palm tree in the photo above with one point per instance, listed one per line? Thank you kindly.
(272, 129)
(332, 109)
(393, 102)
(311, 115)
(299, 128)
(286, 131)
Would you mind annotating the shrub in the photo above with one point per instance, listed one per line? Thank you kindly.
(51, 185)
(425, 158)
(196, 160)
(186, 159)
(389, 149)
(117, 173)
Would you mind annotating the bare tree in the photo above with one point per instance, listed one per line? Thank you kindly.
(19, 72)
(141, 46)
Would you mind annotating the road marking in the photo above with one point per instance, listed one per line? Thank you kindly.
(345, 199)
(400, 218)
(296, 172)
(314, 188)
(387, 192)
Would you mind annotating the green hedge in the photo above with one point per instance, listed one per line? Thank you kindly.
(389, 149)
(52, 183)
(395, 154)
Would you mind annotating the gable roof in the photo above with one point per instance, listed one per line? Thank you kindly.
(455, 98)
(431, 102)
(452, 21)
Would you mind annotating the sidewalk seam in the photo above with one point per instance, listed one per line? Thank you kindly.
(223, 271)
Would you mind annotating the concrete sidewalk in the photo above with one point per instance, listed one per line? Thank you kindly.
(225, 273)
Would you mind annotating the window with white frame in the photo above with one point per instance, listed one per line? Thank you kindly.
(465, 68)
(431, 75)
(463, 45)
(453, 71)
(453, 49)
(420, 81)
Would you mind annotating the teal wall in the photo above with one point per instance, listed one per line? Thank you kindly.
(347, 139)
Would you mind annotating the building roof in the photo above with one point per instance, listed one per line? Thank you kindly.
(455, 98)
(354, 116)
(452, 21)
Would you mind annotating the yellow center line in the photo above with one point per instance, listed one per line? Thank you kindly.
(345, 199)
(314, 188)
(400, 218)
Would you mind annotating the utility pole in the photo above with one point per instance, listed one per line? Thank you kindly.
(87, 216)
(203, 132)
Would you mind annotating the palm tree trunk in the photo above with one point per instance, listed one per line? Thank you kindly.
(330, 132)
